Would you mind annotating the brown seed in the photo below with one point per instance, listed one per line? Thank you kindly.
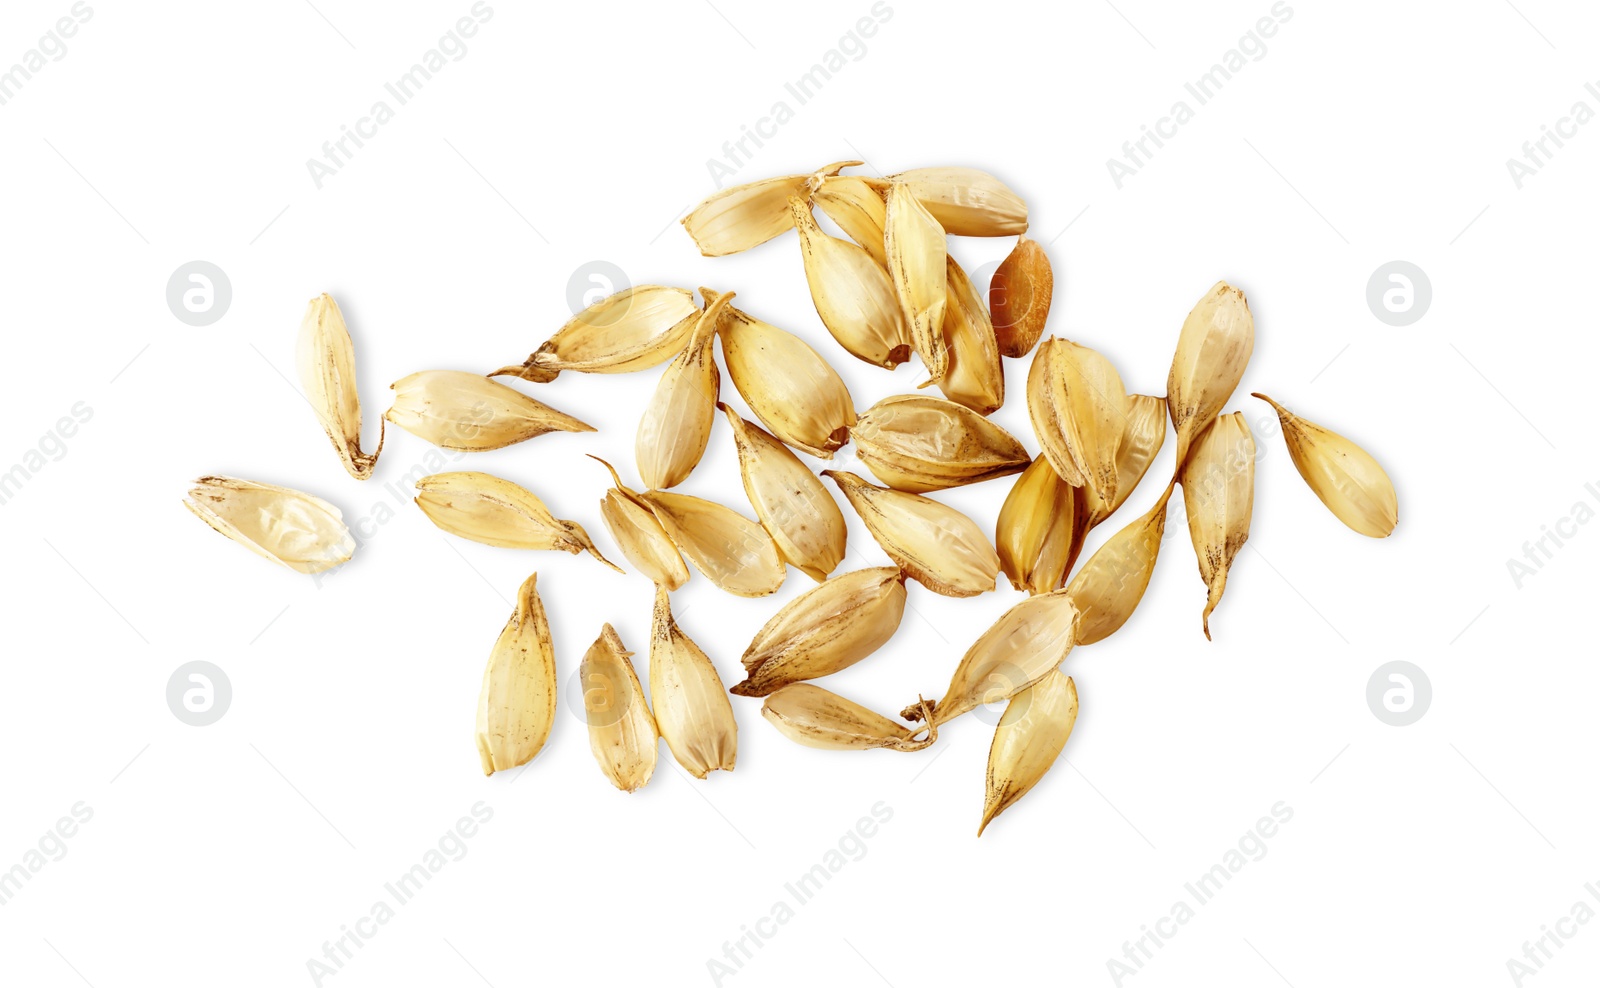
(1019, 297)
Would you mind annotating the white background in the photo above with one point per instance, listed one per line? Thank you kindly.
(228, 854)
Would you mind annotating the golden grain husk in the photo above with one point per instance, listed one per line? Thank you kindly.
(793, 391)
(692, 711)
(1219, 482)
(644, 542)
(1145, 431)
(932, 543)
(919, 443)
(458, 410)
(325, 357)
(289, 527)
(622, 731)
(676, 425)
(1021, 648)
(489, 509)
(1027, 741)
(745, 216)
(1213, 348)
(968, 202)
(1034, 533)
(789, 500)
(1019, 297)
(634, 329)
(1110, 585)
(517, 703)
(816, 718)
(973, 375)
(1078, 406)
(732, 551)
(828, 628)
(852, 294)
(856, 205)
(1343, 475)
(914, 245)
